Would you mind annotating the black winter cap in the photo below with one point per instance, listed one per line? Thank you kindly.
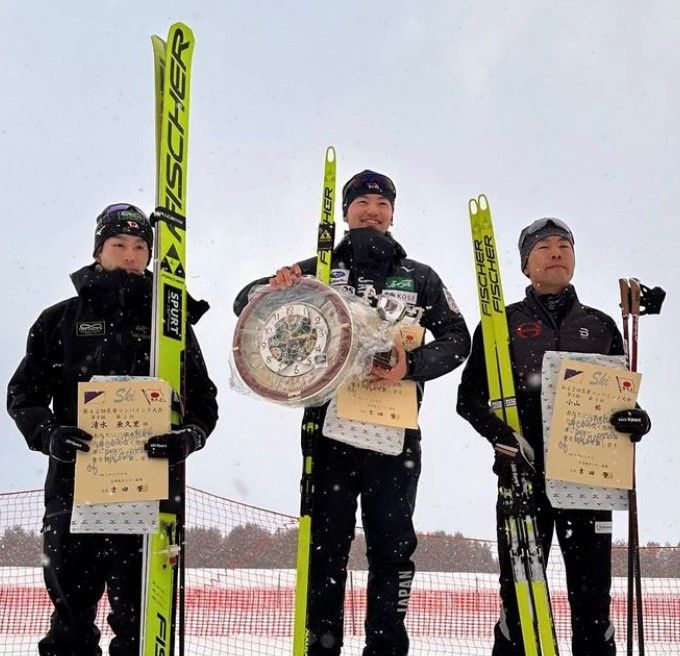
(122, 218)
(367, 182)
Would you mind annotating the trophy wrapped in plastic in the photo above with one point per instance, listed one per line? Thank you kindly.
(296, 346)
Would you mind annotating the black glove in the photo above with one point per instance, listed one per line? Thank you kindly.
(64, 441)
(177, 444)
(513, 447)
(635, 422)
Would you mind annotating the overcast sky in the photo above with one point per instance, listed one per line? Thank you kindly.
(550, 108)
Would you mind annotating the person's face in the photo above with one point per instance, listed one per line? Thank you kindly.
(127, 252)
(370, 211)
(550, 266)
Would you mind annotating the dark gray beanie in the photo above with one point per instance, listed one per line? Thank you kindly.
(540, 229)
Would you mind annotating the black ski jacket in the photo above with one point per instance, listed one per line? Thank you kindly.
(104, 330)
(367, 257)
(533, 331)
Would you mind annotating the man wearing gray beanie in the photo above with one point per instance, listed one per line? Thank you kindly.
(550, 317)
(539, 230)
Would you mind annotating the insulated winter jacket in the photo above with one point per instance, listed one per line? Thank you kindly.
(533, 331)
(104, 330)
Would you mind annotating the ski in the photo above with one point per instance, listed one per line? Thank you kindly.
(528, 565)
(636, 300)
(163, 566)
(311, 428)
(326, 235)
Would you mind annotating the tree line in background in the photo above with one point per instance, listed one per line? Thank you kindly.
(252, 546)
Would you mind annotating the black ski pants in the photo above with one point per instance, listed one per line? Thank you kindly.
(77, 569)
(387, 485)
(585, 539)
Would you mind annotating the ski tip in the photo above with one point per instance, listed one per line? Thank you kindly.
(479, 204)
(183, 28)
(330, 154)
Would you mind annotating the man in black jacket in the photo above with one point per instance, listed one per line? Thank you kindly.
(104, 330)
(367, 258)
(550, 318)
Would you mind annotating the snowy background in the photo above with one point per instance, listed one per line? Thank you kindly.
(563, 109)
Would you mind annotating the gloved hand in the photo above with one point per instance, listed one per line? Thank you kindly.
(514, 447)
(177, 444)
(635, 422)
(64, 441)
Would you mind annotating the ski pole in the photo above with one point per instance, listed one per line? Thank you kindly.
(636, 300)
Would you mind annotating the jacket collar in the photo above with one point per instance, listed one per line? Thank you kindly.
(92, 279)
(534, 302)
(373, 241)
(93, 282)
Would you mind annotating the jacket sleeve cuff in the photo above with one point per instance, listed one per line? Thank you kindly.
(45, 432)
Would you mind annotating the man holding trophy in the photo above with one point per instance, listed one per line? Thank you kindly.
(369, 263)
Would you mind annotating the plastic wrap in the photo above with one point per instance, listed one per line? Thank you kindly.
(296, 346)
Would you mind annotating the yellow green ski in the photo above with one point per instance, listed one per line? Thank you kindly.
(311, 427)
(528, 565)
(162, 566)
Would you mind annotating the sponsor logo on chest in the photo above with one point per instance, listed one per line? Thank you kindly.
(340, 280)
(93, 328)
(403, 284)
(365, 287)
(528, 330)
(339, 277)
(407, 297)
